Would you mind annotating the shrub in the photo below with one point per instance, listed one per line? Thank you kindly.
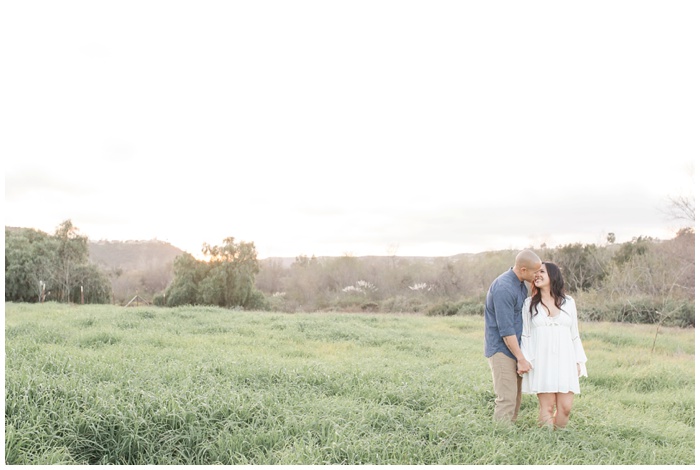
(370, 307)
(402, 304)
(686, 315)
(257, 301)
(639, 309)
(473, 306)
(160, 300)
(349, 300)
(464, 307)
(444, 309)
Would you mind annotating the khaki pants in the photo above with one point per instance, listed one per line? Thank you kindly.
(507, 385)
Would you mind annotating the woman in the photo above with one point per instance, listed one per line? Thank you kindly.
(551, 343)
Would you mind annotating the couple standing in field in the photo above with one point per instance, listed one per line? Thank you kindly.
(532, 343)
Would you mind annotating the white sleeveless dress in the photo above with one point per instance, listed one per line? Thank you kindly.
(553, 346)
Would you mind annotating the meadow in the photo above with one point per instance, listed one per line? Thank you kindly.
(198, 385)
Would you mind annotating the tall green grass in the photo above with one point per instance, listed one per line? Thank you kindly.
(113, 385)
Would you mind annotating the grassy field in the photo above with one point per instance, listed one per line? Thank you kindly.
(106, 384)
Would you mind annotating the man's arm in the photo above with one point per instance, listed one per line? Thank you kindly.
(512, 343)
(504, 302)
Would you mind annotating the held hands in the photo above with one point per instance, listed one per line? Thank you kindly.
(523, 367)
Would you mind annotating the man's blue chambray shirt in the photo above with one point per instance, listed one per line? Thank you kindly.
(503, 313)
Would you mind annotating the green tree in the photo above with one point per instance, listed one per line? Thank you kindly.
(94, 283)
(231, 279)
(29, 264)
(39, 266)
(629, 250)
(583, 266)
(184, 288)
(72, 253)
(227, 279)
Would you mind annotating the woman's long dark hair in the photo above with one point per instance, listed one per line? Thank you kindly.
(556, 287)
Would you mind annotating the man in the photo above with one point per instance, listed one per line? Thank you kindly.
(503, 328)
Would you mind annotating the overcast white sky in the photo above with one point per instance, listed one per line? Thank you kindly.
(366, 127)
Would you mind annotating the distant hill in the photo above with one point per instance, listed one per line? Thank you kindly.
(130, 255)
(286, 262)
(143, 268)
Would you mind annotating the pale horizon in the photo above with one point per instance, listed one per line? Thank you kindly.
(440, 251)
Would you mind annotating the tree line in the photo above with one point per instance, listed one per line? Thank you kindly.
(639, 280)
(642, 280)
(41, 267)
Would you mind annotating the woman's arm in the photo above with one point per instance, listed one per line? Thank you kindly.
(579, 353)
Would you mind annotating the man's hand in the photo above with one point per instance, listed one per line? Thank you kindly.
(524, 366)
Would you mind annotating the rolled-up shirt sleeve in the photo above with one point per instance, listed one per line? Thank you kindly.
(504, 304)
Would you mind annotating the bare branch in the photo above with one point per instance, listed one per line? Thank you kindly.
(682, 208)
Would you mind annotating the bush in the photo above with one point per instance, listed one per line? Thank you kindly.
(370, 307)
(637, 311)
(257, 301)
(640, 309)
(444, 309)
(279, 302)
(342, 303)
(473, 306)
(402, 304)
(686, 315)
(464, 307)
(160, 300)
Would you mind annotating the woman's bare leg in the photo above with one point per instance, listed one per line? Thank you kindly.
(564, 403)
(547, 403)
